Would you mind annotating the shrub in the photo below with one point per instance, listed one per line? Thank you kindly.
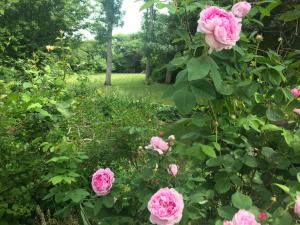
(237, 146)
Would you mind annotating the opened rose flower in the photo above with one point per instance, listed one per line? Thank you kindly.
(166, 207)
(221, 28)
(102, 181)
(242, 217)
(159, 145)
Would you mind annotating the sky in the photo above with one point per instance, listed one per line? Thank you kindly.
(132, 19)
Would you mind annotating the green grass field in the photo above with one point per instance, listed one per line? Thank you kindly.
(130, 84)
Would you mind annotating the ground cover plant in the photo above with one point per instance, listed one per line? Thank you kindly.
(130, 84)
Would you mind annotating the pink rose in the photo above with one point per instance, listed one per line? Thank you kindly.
(243, 217)
(102, 181)
(262, 216)
(226, 222)
(297, 206)
(297, 111)
(159, 145)
(173, 170)
(166, 207)
(295, 92)
(241, 9)
(221, 28)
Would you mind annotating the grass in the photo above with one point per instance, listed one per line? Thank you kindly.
(130, 84)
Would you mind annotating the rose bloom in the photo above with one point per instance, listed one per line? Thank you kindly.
(226, 222)
(295, 92)
(262, 216)
(297, 111)
(241, 9)
(221, 28)
(173, 170)
(102, 181)
(297, 206)
(243, 217)
(166, 207)
(159, 145)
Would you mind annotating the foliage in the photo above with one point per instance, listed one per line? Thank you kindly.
(238, 143)
(127, 53)
(88, 56)
(21, 33)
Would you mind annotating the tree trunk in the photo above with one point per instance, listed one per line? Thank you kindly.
(109, 56)
(150, 35)
(148, 69)
(168, 78)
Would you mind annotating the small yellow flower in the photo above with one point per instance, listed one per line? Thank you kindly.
(50, 48)
(259, 38)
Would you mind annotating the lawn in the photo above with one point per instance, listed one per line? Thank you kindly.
(130, 84)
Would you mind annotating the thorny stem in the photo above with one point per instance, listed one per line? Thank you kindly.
(187, 24)
(256, 51)
(215, 118)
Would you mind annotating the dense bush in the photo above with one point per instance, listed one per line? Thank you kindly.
(49, 130)
(238, 147)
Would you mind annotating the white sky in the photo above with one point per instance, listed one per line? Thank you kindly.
(132, 19)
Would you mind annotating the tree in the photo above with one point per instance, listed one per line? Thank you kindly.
(127, 53)
(148, 28)
(111, 16)
(29, 25)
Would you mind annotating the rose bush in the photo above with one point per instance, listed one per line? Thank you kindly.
(237, 144)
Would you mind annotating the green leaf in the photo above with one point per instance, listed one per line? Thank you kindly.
(271, 127)
(272, 75)
(78, 195)
(220, 85)
(184, 100)
(43, 113)
(241, 201)
(26, 97)
(147, 4)
(179, 61)
(283, 187)
(249, 161)
(56, 180)
(290, 15)
(27, 85)
(197, 198)
(222, 185)
(268, 152)
(226, 212)
(97, 206)
(109, 201)
(281, 216)
(181, 77)
(208, 150)
(34, 106)
(274, 114)
(203, 89)
(298, 177)
(198, 68)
